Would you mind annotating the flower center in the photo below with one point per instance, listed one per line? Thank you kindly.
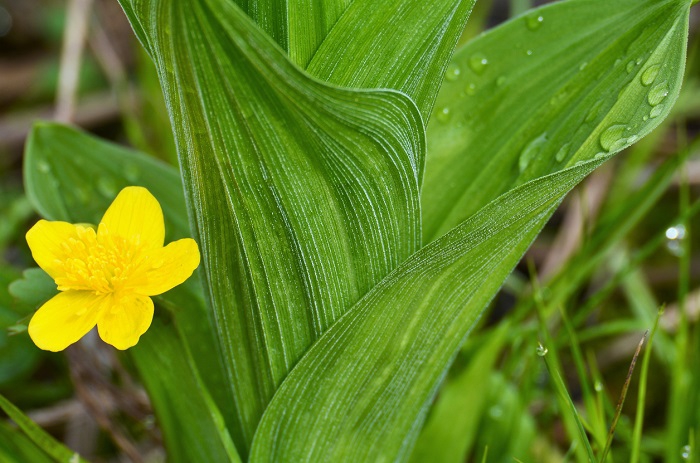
(104, 265)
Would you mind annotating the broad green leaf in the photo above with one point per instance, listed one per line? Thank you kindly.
(362, 390)
(41, 438)
(453, 423)
(205, 439)
(400, 44)
(304, 195)
(544, 91)
(72, 176)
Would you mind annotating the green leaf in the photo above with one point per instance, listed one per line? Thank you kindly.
(16, 448)
(192, 426)
(34, 288)
(362, 390)
(304, 195)
(400, 44)
(72, 176)
(546, 90)
(41, 438)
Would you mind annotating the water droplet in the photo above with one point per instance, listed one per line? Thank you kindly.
(501, 81)
(470, 89)
(107, 187)
(534, 21)
(685, 452)
(132, 172)
(528, 52)
(563, 152)
(632, 139)
(657, 93)
(646, 118)
(612, 138)
(600, 155)
(443, 115)
(531, 151)
(617, 62)
(674, 239)
(630, 66)
(639, 60)
(583, 66)
(593, 112)
(453, 73)
(478, 63)
(656, 111)
(541, 350)
(649, 75)
(598, 386)
(495, 412)
(43, 166)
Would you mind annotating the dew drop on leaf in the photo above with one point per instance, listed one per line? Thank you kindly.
(630, 66)
(531, 151)
(478, 63)
(501, 81)
(649, 75)
(593, 112)
(657, 93)
(534, 21)
(685, 452)
(528, 52)
(541, 350)
(612, 138)
(443, 115)
(674, 239)
(43, 166)
(656, 111)
(453, 73)
(470, 89)
(583, 66)
(563, 152)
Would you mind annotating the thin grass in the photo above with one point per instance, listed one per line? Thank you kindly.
(641, 397)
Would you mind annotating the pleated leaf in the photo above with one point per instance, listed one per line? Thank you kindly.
(399, 44)
(362, 391)
(544, 91)
(304, 195)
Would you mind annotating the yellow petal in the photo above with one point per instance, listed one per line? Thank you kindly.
(134, 215)
(170, 266)
(64, 319)
(47, 243)
(122, 324)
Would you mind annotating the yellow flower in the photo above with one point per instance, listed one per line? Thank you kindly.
(105, 278)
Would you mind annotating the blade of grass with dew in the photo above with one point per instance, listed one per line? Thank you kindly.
(621, 401)
(549, 352)
(595, 419)
(641, 396)
(41, 438)
(546, 90)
